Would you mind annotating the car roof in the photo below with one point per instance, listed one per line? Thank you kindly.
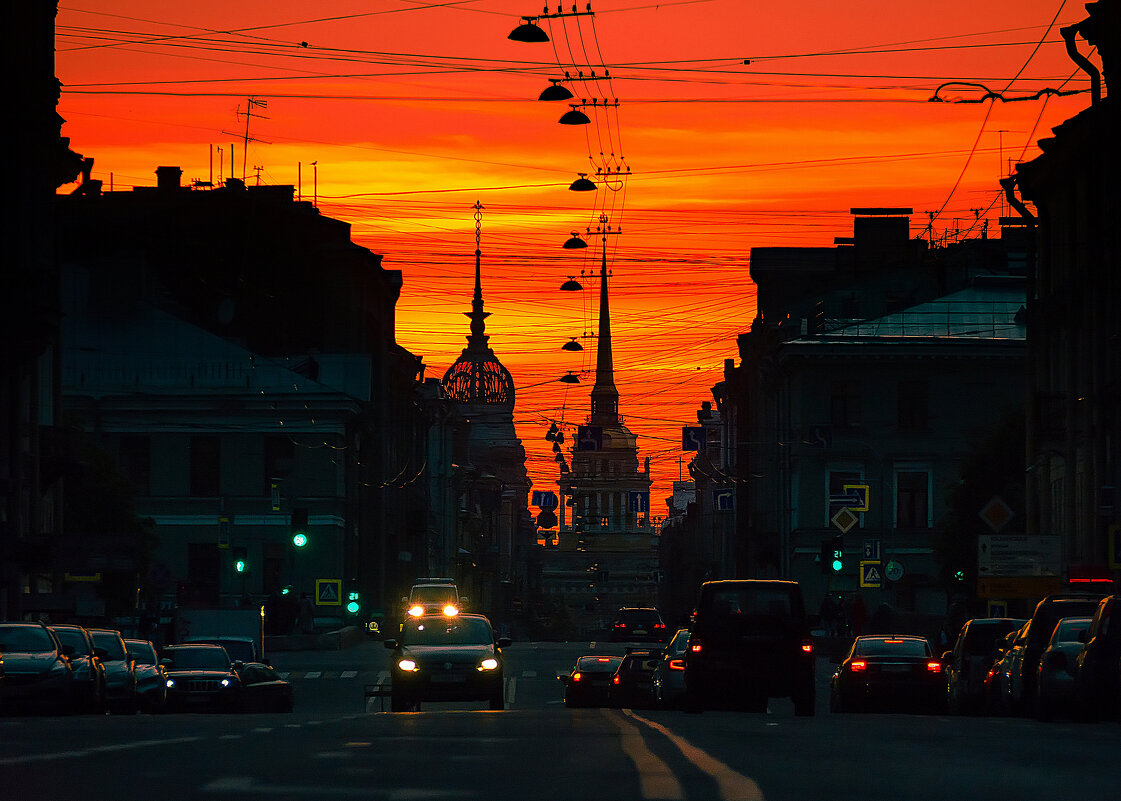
(192, 646)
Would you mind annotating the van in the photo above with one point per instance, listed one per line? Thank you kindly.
(750, 641)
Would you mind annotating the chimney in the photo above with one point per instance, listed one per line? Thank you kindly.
(167, 178)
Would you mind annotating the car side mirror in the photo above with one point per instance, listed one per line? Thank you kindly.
(390, 644)
(237, 664)
(504, 642)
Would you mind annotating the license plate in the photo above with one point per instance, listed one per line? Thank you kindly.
(438, 679)
(897, 668)
(640, 631)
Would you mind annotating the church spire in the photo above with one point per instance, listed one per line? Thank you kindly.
(478, 317)
(605, 397)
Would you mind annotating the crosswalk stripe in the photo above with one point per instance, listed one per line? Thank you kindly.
(348, 674)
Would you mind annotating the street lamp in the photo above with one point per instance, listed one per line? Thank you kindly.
(528, 32)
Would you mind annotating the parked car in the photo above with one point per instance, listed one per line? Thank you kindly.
(632, 686)
(446, 658)
(1054, 694)
(750, 640)
(588, 681)
(120, 671)
(974, 652)
(37, 670)
(638, 624)
(201, 677)
(263, 690)
(997, 692)
(89, 672)
(888, 672)
(1043, 620)
(1097, 684)
(151, 676)
(669, 675)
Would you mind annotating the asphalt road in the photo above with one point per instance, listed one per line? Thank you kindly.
(332, 747)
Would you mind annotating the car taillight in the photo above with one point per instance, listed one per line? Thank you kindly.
(620, 625)
(677, 664)
(614, 679)
(934, 667)
(808, 646)
(695, 646)
(577, 676)
(857, 665)
(659, 625)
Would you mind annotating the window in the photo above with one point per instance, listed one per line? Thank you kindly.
(136, 462)
(912, 405)
(844, 404)
(912, 499)
(205, 481)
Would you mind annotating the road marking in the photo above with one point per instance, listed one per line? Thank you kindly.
(284, 675)
(383, 677)
(511, 690)
(655, 778)
(733, 786)
(348, 674)
(21, 760)
(313, 674)
(244, 784)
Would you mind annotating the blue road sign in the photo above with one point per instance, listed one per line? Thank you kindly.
(640, 501)
(692, 438)
(589, 438)
(723, 500)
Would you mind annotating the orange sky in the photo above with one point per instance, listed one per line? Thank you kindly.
(414, 110)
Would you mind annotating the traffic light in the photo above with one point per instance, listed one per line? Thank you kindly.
(837, 554)
(353, 603)
(299, 527)
(239, 559)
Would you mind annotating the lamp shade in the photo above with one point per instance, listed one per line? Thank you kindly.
(555, 92)
(574, 243)
(572, 344)
(582, 184)
(572, 285)
(569, 378)
(528, 32)
(574, 117)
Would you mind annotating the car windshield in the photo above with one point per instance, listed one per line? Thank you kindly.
(639, 616)
(25, 640)
(450, 631)
(112, 643)
(891, 646)
(598, 664)
(1069, 628)
(639, 664)
(199, 658)
(1049, 616)
(433, 595)
(755, 610)
(74, 638)
(981, 634)
(679, 642)
(143, 651)
(237, 649)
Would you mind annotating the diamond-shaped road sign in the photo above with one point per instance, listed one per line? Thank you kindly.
(844, 519)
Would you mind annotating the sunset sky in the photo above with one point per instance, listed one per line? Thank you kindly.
(415, 110)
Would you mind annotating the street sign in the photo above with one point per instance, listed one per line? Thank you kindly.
(871, 574)
(692, 438)
(640, 501)
(872, 549)
(223, 532)
(860, 493)
(997, 609)
(845, 519)
(893, 570)
(1019, 555)
(589, 438)
(723, 500)
(996, 513)
(544, 500)
(329, 592)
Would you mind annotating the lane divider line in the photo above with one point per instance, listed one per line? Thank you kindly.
(100, 749)
(733, 786)
(655, 778)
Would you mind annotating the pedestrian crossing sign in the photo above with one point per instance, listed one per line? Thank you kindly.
(329, 592)
(871, 574)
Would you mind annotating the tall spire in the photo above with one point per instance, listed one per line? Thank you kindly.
(605, 397)
(477, 376)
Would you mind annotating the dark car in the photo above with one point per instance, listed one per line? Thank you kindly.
(120, 671)
(750, 641)
(262, 689)
(151, 676)
(638, 624)
(669, 675)
(632, 686)
(446, 658)
(975, 651)
(433, 596)
(888, 672)
(89, 672)
(1047, 614)
(588, 681)
(37, 670)
(240, 649)
(201, 677)
(1054, 684)
(997, 685)
(1096, 680)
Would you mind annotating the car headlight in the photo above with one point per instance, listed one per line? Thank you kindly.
(407, 665)
(225, 682)
(171, 684)
(490, 663)
(416, 611)
(450, 610)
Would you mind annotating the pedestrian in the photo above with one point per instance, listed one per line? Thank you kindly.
(307, 614)
(857, 615)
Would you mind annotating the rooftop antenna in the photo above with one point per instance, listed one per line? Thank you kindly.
(249, 114)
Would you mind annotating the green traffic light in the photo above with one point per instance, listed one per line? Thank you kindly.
(299, 539)
(239, 566)
(838, 565)
(352, 607)
(959, 575)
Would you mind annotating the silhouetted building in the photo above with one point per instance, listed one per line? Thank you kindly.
(1074, 333)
